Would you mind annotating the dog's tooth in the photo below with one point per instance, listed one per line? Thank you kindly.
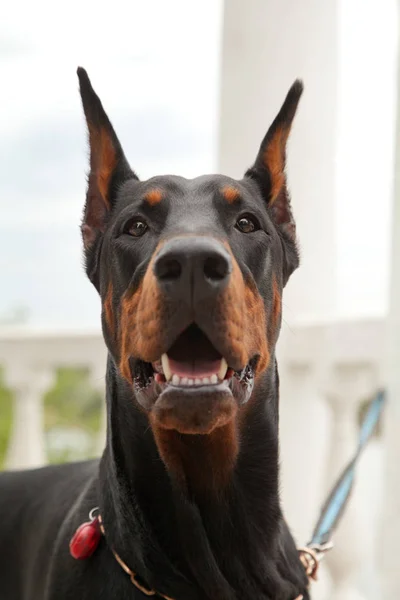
(214, 379)
(206, 381)
(190, 382)
(222, 369)
(176, 379)
(184, 381)
(166, 367)
(197, 381)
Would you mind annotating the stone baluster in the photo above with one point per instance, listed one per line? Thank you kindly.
(303, 416)
(303, 433)
(26, 448)
(350, 385)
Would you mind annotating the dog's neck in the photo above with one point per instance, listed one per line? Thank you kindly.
(214, 542)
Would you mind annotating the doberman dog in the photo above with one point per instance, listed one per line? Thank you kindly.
(190, 275)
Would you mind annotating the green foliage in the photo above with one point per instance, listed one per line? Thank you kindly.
(5, 418)
(72, 401)
(72, 406)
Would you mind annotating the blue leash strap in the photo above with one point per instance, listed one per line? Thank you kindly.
(337, 499)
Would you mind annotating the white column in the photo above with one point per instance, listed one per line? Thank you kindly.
(390, 535)
(366, 121)
(27, 448)
(267, 44)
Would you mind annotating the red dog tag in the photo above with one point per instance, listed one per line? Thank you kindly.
(85, 539)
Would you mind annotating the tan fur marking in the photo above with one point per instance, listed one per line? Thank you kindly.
(245, 319)
(230, 193)
(154, 196)
(180, 453)
(276, 304)
(104, 160)
(274, 160)
(108, 310)
(142, 316)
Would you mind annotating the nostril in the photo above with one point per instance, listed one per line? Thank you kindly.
(216, 268)
(168, 269)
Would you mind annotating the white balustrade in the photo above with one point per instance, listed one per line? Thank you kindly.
(327, 372)
(30, 360)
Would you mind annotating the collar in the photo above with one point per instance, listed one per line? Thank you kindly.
(87, 537)
(135, 579)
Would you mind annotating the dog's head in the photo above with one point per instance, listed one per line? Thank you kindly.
(190, 273)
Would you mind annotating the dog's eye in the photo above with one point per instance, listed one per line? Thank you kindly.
(247, 224)
(136, 228)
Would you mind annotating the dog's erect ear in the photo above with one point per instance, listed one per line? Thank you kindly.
(269, 168)
(108, 165)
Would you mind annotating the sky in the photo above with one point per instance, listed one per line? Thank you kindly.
(155, 67)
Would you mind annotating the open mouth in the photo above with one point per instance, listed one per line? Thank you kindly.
(193, 362)
(191, 388)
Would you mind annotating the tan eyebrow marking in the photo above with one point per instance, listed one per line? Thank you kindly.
(230, 193)
(154, 196)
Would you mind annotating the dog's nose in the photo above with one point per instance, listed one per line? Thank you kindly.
(192, 268)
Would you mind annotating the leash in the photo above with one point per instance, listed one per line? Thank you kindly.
(336, 502)
(87, 536)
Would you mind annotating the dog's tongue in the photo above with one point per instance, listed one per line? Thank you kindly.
(193, 355)
(194, 368)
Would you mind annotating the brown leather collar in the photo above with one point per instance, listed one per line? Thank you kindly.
(133, 576)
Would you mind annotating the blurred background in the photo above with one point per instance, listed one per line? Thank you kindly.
(191, 87)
